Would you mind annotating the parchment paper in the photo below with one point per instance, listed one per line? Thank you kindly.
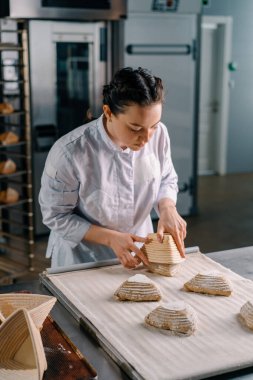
(219, 345)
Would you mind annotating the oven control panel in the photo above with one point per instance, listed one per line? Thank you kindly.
(165, 5)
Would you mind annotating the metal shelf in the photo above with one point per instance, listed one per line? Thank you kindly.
(15, 223)
(18, 183)
(22, 212)
(15, 112)
(10, 205)
(9, 96)
(16, 219)
(17, 173)
(11, 64)
(3, 81)
(11, 248)
(19, 238)
(15, 154)
(10, 31)
(20, 143)
(10, 270)
(10, 125)
(10, 47)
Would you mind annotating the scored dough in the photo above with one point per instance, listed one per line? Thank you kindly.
(213, 283)
(177, 317)
(246, 314)
(138, 288)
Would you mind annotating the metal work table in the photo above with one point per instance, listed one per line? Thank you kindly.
(239, 260)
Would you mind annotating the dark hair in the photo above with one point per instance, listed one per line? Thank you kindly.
(129, 86)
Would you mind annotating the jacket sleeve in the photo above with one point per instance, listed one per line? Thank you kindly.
(59, 196)
(168, 185)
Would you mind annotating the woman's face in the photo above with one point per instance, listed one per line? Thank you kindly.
(135, 127)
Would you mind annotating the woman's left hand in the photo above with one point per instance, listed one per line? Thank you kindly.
(170, 221)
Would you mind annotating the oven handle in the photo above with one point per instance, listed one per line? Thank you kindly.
(162, 49)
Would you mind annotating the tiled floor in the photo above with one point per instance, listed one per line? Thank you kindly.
(224, 220)
(225, 217)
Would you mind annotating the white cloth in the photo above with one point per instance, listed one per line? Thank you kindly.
(90, 180)
(219, 345)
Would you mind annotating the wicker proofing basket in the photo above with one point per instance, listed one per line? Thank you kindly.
(22, 355)
(164, 258)
(38, 306)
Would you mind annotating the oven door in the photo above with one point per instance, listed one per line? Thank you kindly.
(73, 84)
(165, 44)
(67, 71)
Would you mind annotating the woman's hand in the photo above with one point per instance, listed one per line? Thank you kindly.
(121, 243)
(170, 221)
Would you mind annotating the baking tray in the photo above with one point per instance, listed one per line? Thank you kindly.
(218, 346)
(64, 360)
(84, 322)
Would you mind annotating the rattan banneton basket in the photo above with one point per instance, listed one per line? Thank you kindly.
(164, 258)
(22, 355)
(38, 306)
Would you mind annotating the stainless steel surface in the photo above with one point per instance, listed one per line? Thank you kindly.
(34, 9)
(238, 260)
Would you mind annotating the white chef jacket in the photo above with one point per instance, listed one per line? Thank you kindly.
(88, 179)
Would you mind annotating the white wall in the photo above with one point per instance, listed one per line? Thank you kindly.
(240, 130)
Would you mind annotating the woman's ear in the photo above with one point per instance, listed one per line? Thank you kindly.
(107, 111)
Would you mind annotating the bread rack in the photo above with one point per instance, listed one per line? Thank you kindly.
(16, 219)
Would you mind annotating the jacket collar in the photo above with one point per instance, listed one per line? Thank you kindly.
(106, 138)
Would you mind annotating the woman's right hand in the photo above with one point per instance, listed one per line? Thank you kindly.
(123, 244)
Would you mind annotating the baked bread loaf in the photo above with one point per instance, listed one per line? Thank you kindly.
(9, 196)
(164, 258)
(213, 283)
(8, 167)
(138, 288)
(246, 314)
(177, 317)
(6, 108)
(8, 138)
